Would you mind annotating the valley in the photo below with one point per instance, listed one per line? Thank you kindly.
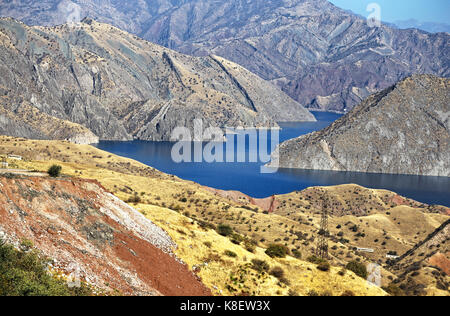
(198, 148)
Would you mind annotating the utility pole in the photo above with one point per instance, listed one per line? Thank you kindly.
(322, 245)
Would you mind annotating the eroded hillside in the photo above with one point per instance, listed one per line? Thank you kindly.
(92, 235)
(120, 87)
(322, 56)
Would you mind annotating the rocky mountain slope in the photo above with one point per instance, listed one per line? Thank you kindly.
(92, 235)
(112, 85)
(402, 130)
(322, 56)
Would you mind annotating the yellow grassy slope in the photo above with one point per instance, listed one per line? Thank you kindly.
(157, 192)
(303, 276)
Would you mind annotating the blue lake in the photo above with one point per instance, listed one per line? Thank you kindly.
(246, 177)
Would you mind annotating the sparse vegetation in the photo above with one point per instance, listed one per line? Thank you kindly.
(54, 171)
(277, 272)
(225, 230)
(260, 265)
(324, 266)
(277, 251)
(230, 253)
(24, 273)
(394, 290)
(358, 268)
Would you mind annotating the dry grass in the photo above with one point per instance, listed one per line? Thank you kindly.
(174, 203)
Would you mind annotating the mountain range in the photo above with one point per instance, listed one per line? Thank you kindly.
(324, 57)
(431, 27)
(89, 80)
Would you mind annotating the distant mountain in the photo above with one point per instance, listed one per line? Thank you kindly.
(90, 80)
(405, 129)
(431, 27)
(322, 56)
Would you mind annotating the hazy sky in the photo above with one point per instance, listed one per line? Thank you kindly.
(394, 10)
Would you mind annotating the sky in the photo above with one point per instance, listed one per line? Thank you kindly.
(437, 11)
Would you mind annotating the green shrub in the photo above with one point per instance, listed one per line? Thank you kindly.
(236, 239)
(358, 268)
(260, 265)
(54, 171)
(277, 251)
(315, 259)
(297, 254)
(225, 230)
(230, 253)
(24, 273)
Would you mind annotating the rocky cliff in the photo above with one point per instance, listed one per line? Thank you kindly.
(92, 235)
(401, 130)
(92, 79)
(324, 57)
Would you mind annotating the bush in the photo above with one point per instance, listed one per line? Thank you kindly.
(224, 230)
(54, 171)
(297, 254)
(230, 253)
(249, 246)
(324, 266)
(394, 290)
(277, 251)
(134, 199)
(315, 259)
(284, 281)
(236, 239)
(260, 265)
(358, 268)
(24, 273)
(277, 272)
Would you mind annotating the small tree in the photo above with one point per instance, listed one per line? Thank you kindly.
(54, 171)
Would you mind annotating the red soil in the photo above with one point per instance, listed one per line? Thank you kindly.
(69, 221)
(269, 204)
(441, 261)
